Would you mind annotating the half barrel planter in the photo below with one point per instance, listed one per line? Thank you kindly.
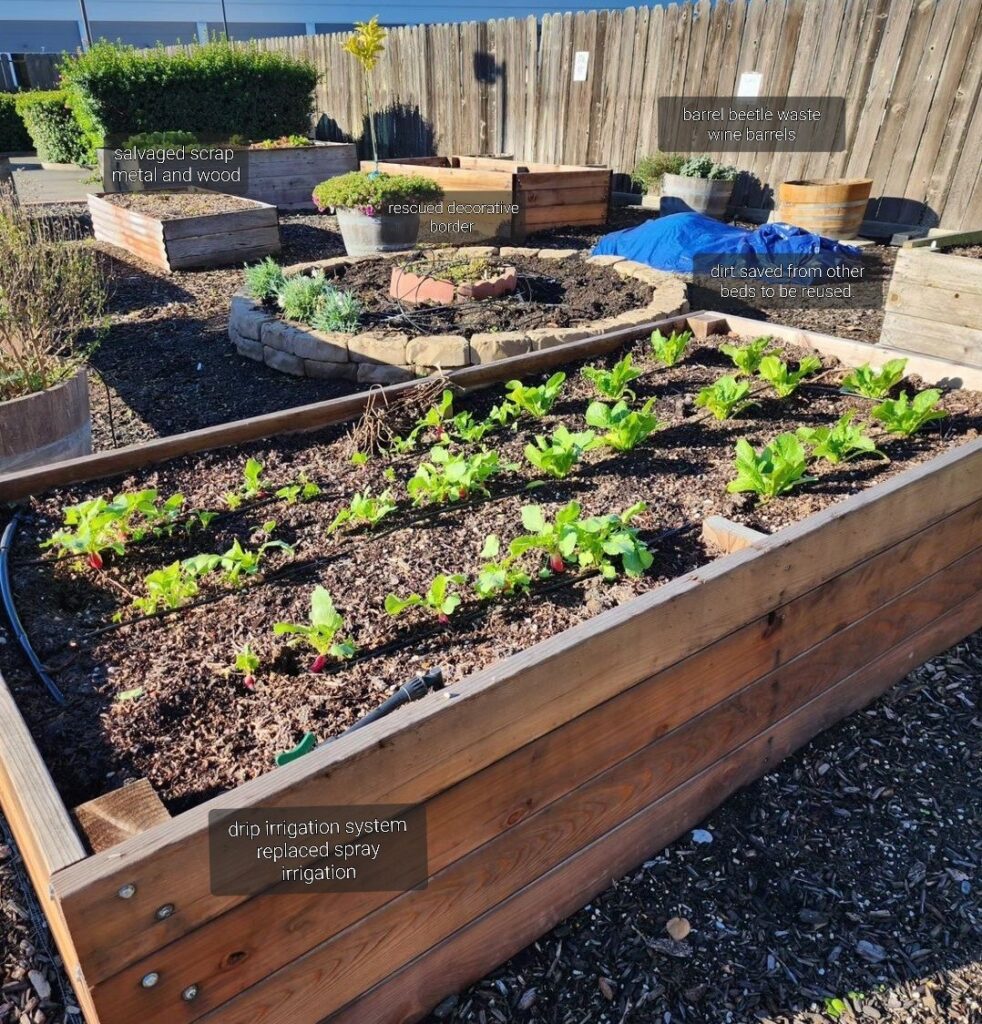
(241, 235)
(708, 196)
(833, 207)
(47, 426)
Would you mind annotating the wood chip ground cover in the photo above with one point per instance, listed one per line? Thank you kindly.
(174, 205)
(194, 730)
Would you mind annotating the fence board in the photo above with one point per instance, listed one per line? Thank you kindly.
(910, 72)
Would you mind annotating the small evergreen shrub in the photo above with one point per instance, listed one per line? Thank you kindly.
(374, 193)
(52, 126)
(707, 167)
(651, 169)
(13, 134)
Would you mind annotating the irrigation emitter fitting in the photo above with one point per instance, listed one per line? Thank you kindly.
(417, 688)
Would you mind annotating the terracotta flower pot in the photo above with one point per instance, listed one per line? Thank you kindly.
(418, 289)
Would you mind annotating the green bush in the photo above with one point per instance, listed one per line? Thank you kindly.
(216, 88)
(651, 169)
(707, 167)
(52, 126)
(362, 189)
(13, 134)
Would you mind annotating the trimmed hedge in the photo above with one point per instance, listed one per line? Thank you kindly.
(13, 134)
(52, 126)
(216, 88)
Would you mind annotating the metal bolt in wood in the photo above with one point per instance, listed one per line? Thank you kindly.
(149, 980)
(127, 891)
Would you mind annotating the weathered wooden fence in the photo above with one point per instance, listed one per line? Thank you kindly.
(909, 70)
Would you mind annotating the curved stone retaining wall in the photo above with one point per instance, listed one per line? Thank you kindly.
(375, 358)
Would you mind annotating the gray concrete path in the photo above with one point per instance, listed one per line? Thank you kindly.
(61, 184)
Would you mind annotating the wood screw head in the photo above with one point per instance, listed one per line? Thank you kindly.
(164, 912)
(191, 992)
(149, 980)
(127, 891)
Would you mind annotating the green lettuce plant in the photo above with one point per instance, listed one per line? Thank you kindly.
(905, 415)
(746, 358)
(624, 429)
(725, 397)
(841, 442)
(784, 380)
(556, 456)
(779, 467)
(615, 382)
(870, 383)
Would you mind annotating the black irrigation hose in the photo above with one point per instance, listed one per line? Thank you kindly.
(6, 592)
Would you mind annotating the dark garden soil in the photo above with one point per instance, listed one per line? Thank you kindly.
(174, 205)
(550, 293)
(194, 730)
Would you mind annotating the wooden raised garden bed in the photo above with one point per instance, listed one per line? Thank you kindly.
(934, 304)
(229, 229)
(286, 176)
(544, 776)
(548, 195)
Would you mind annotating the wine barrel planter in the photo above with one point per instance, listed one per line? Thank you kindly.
(707, 196)
(833, 207)
(934, 302)
(544, 776)
(47, 426)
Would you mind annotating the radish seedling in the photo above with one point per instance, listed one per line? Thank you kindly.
(602, 538)
(504, 414)
(870, 383)
(746, 358)
(536, 401)
(498, 578)
(437, 416)
(557, 455)
(613, 383)
(325, 625)
(784, 380)
(841, 442)
(906, 415)
(173, 586)
(724, 398)
(303, 490)
(465, 428)
(247, 662)
(778, 468)
(448, 477)
(557, 539)
(671, 349)
(438, 599)
(239, 561)
(364, 509)
(624, 429)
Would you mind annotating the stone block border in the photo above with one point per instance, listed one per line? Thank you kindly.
(373, 358)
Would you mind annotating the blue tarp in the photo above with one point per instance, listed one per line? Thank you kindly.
(669, 243)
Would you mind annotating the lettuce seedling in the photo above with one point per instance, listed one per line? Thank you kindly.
(364, 509)
(304, 489)
(447, 477)
(870, 383)
(557, 455)
(465, 428)
(168, 588)
(746, 358)
(438, 599)
(671, 349)
(613, 383)
(783, 380)
(841, 442)
(724, 398)
(326, 623)
(906, 415)
(778, 468)
(252, 486)
(247, 662)
(535, 401)
(624, 429)
(498, 578)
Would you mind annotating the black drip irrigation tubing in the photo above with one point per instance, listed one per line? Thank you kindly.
(7, 594)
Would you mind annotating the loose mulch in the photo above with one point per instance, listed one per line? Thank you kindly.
(195, 730)
(174, 205)
(550, 293)
(973, 251)
(842, 886)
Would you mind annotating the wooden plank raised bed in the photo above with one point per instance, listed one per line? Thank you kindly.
(544, 776)
(934, 303)
(286, 177)
(548, 195)
(184, 243)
